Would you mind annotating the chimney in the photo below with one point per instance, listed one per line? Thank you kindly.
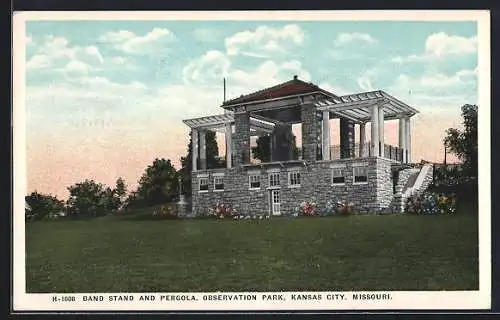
(295, 77)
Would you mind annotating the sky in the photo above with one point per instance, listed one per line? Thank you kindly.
(105, 98)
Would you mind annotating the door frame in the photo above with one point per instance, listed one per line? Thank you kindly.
(271, 201)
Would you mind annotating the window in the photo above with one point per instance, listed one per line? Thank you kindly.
(274, 179)
(254, 181)
(203, 183)
(294, 179)
(218, 183)
(360, 174)
(338, 176)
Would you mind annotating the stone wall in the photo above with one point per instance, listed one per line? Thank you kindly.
(316, 186)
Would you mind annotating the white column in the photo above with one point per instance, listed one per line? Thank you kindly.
(402, 139)
(381, 127)
(375, 131)
(326, 135)
(203, 150)
(362, 139)
(408, 139)
(229, 142)
(271, 137)
(194, 148)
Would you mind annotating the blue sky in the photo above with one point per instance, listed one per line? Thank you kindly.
(105, 90)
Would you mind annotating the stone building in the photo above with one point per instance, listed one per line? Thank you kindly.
(368, 173)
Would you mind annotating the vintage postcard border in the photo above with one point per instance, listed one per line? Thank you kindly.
(399, 300)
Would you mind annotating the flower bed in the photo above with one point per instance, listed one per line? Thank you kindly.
(165, 212)
(430, 203)
(307, 209)
(338, 208)
(221, 211)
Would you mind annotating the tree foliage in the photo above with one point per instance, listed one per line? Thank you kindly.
(120, 191)
(42, 206)
(158, 184)
(463, 143)
(91, 199)
(263, 152)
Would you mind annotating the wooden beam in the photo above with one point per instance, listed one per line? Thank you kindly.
(350, 105)
(258, 117)
(343, 115)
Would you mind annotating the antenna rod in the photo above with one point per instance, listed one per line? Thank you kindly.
(224, 90)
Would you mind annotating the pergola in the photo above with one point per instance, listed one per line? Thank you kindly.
(375, 107)
(220, 123)
(264, 115)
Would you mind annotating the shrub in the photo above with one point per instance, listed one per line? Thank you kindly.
(431, 203)
(307, 209)
(345, 208)
(221, 211)
(165, 212)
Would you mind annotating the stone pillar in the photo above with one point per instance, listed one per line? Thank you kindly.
(203, 150)
(309, 132)
(241, 138)
(194, 149)
(326, 135)
(381, 127)
(402, 138)
(229, 142)
(408, 139)
(346, 138)
(362, 139)
(375, 132)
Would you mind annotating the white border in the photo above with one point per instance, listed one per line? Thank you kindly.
(400, 300)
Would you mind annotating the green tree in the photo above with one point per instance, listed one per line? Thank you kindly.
(89, 199)
(158, 184)
(120, 191)
(262, 150)
(186, 161)
(463, 143)
(42, 206)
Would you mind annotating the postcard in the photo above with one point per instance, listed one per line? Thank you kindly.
(251, 161)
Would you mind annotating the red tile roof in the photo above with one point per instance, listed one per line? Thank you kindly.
(289, 88)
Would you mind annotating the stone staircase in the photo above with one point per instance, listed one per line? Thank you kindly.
(411, 181)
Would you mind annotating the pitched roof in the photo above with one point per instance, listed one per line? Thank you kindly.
(289, 88)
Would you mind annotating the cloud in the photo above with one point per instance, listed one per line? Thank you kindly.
(77, 67)
(129, 42)
(335, 89)
(57, 51)
(264, 40)
(206, 34)
(209, 68)
(460, 80)
(441, 45)
(345, 38)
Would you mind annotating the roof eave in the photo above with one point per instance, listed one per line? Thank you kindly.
(227, 106)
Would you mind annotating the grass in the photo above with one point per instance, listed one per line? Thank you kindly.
(132, 254)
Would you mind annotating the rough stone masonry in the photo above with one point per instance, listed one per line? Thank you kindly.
(316, 185)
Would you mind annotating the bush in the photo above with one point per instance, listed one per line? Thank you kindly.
(431, 203)
(307, 209)
(345, 208)
(330, 209)
(221, 211)
(168, 212)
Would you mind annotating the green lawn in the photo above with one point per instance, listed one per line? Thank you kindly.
(130, 254)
